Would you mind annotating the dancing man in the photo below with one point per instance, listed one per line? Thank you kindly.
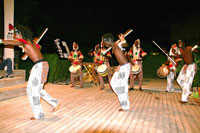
(174, 53)
(76, 58)
(136, 54)
(187, 73)
(39, 71)
(119, 81)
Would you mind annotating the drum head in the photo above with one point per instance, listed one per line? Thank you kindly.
(74, 68)
(163, 71)
(101, 68)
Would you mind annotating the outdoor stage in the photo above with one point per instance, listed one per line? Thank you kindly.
(92, 110)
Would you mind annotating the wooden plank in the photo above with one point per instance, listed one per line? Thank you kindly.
(185, 123)
(141, 117)
(188, 117)
(172, 121)
(96, 119)
(176, 113)
(108, 119)
(79, 106)
(167, 123)
(139, 107)
(93, 110)
(159, 119)
(148, 116)
(88, 115)
(135, 96)
(122, 117)
(152, 113)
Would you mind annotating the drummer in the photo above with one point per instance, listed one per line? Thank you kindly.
(76, 58)
(104, 59)
(96, 59)
(135, 56)
(173, 53)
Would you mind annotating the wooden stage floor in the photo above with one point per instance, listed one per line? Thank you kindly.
(93, 110)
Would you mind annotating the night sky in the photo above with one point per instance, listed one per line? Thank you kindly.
(86, 21)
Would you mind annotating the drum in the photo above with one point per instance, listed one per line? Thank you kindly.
(136, 69)
(102, 70)
(75, 70)
(163, 71)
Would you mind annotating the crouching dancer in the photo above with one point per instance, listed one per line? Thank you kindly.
(39, 72)
(119, 81)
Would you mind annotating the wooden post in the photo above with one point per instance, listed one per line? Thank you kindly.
(8, 20)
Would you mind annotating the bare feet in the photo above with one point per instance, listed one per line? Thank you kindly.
(57, 107)
(183, 102)
(130, 89)
(121, 110)
(102, 88)
(33, 118)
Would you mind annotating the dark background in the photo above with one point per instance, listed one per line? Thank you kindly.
(86, 21)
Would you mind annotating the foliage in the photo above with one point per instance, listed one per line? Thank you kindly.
(197, 76)
(58, 69)
(151, 64)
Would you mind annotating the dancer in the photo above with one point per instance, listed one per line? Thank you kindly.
(174, 53)
(187, 73)
(136, 54)
(76, 58)
(39, 71)
(119, 81)
(104, 59)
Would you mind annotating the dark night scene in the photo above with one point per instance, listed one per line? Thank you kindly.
(99, 66)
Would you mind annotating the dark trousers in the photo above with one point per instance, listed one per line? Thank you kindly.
(8, 63)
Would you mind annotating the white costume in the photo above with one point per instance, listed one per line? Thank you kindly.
(35, 89)
(172, 67)
(185, 79)
(119, 83)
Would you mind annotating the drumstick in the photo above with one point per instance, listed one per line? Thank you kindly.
(106, 50)
(42, 35)
(128, 32)
(125, 34)
(174, 63)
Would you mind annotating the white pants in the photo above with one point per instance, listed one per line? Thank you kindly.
(185, 79)
(35, 89)
(119, 84)
(170, 79)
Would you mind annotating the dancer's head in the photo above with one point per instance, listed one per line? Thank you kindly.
(23, 32)
(137, 43)
(181, 43)
(75, 46)
(107, 39)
